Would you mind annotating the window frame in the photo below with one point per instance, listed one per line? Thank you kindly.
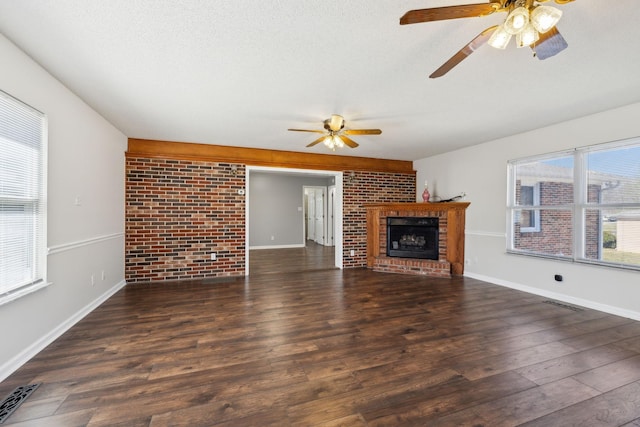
(579, 208)
(535, 188)
(34, 208)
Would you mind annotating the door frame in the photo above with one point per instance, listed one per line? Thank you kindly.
(337, 182)
(331, 214)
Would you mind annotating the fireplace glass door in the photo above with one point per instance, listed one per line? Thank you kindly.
(412, 237)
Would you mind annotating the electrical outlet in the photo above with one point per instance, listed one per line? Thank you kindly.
(273, 237)
(213, 256)
(102, 275)
(93, 280)
(352, 252)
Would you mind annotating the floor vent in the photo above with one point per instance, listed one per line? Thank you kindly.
(14, 400)
(568, 307)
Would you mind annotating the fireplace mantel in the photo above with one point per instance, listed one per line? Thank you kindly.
(452, 223)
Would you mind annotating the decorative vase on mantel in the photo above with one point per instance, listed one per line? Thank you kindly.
(425, 194)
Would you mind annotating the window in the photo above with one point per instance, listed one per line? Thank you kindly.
(22, 199)
(582, 205)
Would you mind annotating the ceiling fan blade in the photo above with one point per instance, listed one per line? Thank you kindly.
(348, 141)
(550, 44)
(362, 132)
(464, 52)
(317, 141)
(449, 12)
(308, 130)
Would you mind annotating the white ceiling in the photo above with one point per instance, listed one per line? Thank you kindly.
(241, 72)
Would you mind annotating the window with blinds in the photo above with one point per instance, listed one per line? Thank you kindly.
(22, 199)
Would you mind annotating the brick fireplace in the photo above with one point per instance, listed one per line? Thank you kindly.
(451, 219)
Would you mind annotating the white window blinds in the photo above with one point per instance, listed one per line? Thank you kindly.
(22, 198)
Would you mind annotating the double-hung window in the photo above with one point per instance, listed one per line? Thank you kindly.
(581, 205)
(22, 199)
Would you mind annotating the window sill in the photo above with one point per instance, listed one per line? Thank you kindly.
(594, 263)
(19, 293)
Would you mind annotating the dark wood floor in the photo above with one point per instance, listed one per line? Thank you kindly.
(288, 260)
(335, 348)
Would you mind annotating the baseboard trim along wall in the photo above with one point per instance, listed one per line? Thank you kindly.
(629, 314)
(12, 365)
(297, 245)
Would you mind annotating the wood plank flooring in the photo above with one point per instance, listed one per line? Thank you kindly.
(335, 348)
(288, 260)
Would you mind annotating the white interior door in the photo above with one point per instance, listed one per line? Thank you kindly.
(311, 213)
(319, 216)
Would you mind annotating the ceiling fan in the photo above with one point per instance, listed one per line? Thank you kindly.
(531, 22)
(335, 135)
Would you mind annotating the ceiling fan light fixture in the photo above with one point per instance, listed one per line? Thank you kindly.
(500, 38)
(527, 36)
(544, 18)
(333, 141)
(517, 20)
(334, 134)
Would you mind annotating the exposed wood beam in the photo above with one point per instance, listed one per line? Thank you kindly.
(262, 157)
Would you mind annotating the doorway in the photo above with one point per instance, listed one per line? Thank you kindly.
(324, 231)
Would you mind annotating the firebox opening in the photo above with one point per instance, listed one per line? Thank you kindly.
(412, 237)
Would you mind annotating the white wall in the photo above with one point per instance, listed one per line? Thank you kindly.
(86, 162)
(480, 172)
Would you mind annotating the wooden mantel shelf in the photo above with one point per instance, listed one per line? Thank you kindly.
(454, 212)
(418, 206)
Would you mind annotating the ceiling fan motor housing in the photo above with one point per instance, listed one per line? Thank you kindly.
(335, 123)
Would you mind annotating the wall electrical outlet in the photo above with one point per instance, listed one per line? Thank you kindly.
(93, 280)
(352, 252)
(213, 256)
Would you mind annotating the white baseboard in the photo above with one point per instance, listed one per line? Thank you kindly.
(296, 245)
(23, 357)
(634, 315)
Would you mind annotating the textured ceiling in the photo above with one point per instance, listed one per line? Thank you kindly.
(241, 72)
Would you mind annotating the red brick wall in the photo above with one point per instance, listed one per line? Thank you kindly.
(369, 187)
(179, 211)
